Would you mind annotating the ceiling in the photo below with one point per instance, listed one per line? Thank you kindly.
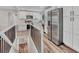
(32, 8)
(25, 8)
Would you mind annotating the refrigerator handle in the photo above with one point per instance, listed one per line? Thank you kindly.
(48, 23)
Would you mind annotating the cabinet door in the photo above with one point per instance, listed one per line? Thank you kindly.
(67, 24)
(76, 33)
(67, 31)
(76, 10)
(21, 27)
(76, 24)
(67, 39)
(76, 42)
(67, 10)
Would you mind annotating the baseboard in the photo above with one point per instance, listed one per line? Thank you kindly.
(69, 47)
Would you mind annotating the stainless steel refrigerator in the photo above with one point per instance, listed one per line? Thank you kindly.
(55, 26)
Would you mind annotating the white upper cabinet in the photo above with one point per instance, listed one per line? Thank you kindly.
(67, 10)
(21, 27)
(67, 24)
(22, 15)
(76, 25)
(76, 10)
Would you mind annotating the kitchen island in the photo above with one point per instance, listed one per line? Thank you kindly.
(37, 37)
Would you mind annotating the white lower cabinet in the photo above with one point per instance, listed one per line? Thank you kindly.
(71, 41)
(76, 33)
(76, 42)
(71, 32)
(67, 39)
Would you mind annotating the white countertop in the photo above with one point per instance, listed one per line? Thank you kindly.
(38, 26)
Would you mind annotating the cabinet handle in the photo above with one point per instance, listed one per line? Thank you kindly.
(72, 13)
(72, 19)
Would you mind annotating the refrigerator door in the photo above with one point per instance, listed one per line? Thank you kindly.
(57, 26)
(55, 29)
(49, 25)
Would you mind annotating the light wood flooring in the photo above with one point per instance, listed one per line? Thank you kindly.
(23, 47)
(50, 47)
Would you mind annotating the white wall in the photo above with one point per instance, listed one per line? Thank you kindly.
(3, 19)
(6, 18)
(36, 15)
